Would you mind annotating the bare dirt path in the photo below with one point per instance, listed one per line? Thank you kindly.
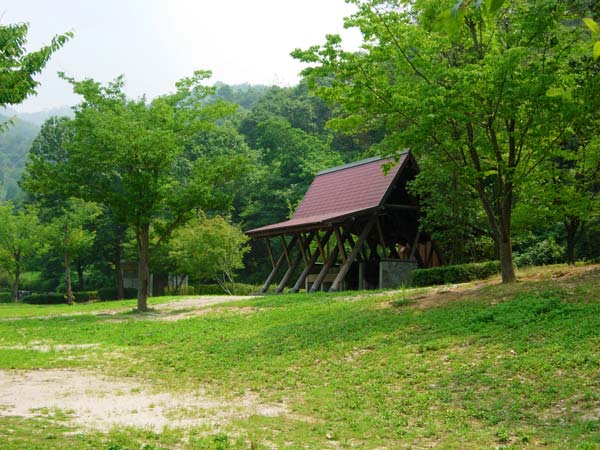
(94, 401)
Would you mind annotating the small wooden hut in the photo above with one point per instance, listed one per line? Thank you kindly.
(356, 228)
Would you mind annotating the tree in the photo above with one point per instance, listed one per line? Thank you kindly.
(209, 248)
(70, 237)
(19, 67)
(20, 240)
(128, 155)
(469, 91)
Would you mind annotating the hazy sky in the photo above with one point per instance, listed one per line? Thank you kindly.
(156, 42)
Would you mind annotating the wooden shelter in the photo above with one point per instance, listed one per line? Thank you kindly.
(356, 228)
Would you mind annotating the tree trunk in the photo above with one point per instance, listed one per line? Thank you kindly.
(142, 234)
(119, 273)
(80, 282)
(68, 279)
(15, 287)
(572, 226)
(506, 262)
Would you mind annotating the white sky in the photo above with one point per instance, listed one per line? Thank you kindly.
(156, 42)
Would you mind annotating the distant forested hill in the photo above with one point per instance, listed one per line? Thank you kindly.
(15, 142)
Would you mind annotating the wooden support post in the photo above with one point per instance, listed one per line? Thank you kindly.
(346, 266)
(340, 243)
(326, 266)
(278, 265)
(270, 251)
(309, 266)
(321, 247)
(285, 250)
(429, 255)
(288, 274)
(415, 245)
(303, 244)
(381, 238)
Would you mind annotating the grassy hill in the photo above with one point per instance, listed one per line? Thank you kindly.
(479, 365)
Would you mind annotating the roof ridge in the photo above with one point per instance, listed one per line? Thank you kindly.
(358, 163)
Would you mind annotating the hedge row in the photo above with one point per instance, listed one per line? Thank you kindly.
(459, 273)
(49, 298)
(5, 297)
(110, 293)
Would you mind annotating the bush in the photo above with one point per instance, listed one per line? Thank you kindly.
(110, 293)
(215, 289)
(459, 273)
(50, 298)
(5, 297)
(85, 296)
(540, 253)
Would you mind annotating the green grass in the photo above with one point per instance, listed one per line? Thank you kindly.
(507, 366)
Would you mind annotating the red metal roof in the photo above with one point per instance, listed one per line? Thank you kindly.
(340, 192)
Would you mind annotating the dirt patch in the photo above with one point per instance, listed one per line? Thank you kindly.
(45, 347)
(94, 401)
(442, 295)
(182, 309)
(176, 315)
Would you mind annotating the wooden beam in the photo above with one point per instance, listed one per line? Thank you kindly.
(381, 238)
(320, 246)
(346, 266)
(430, 254)
(301, 247)
(288, 274)
(278, 265)
(340, 243)
(326, 266)
(401, 207)
(285, 250)
(270, 251)
(309, 266)
(415, 245)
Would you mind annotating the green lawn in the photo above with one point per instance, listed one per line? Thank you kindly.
(503, 366)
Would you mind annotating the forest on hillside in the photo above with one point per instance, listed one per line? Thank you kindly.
(509, 158)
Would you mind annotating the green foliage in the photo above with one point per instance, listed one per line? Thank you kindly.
(86, 296)
(44, 177)
(540, 253)
(459, 273)
(50, 298)
(110, 293)
(209, 248)
(19, 67)
(5, 297)
(471, 99)
(129, 156)
(21, 239)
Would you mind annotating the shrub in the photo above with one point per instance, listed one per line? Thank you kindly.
(5, 297)
(110, 293)
(85, 296)
(540, 253)
(50, 298)
(459, 273)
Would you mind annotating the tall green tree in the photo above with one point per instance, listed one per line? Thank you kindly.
(128, 155)
(21, 239)
(467, 87)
